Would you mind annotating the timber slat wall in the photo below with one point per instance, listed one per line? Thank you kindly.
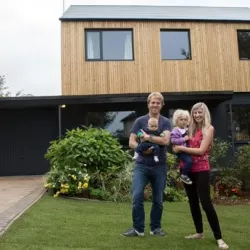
(215, 63)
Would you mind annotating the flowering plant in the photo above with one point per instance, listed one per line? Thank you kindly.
(227, 186)
(68, 181)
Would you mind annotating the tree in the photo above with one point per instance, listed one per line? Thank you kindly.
(4, 92)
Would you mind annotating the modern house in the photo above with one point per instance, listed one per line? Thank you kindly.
(114, 56)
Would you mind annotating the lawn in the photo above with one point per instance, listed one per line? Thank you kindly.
(58, 223)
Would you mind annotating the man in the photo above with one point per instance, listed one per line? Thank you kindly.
(147, 170)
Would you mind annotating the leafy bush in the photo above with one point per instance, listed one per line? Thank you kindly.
(227, 186)
(218, 152)
(81, 152)
(67, 181)
(243, 165)
(174, 190)
(92, 146)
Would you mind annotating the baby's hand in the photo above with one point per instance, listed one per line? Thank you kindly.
(186, 138)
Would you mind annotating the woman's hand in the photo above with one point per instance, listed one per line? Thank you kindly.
(177, 149)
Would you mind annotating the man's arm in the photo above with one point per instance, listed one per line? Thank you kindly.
(133, 141)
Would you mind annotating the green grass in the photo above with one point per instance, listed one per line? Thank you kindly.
(69, 224)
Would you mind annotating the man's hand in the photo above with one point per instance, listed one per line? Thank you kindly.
(145, 136)
(148, 151)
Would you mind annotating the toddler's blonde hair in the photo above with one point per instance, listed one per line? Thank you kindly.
(180, 113)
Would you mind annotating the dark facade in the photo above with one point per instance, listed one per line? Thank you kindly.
(30, 123)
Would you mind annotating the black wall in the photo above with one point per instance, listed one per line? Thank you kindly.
(24, 138)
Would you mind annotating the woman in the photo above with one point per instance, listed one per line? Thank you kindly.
(201, 138)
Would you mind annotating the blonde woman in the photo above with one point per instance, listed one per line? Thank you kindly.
(201, 137)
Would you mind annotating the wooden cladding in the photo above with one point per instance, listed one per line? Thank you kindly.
(215, 64)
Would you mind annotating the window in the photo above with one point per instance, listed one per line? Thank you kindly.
(239, 126)
(109, 45)
(244, 44)
(175, 45)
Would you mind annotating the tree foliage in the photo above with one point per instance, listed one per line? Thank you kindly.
(4, 90)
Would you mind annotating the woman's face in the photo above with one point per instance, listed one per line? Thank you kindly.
(198, 115)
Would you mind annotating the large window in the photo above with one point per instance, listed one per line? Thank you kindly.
(175, 45)
(239, 125)
(109, 45)
(244, 44)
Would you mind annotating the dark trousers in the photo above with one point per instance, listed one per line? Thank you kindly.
(143, 146)
(187, 160)
(144, 174)
(201, 189)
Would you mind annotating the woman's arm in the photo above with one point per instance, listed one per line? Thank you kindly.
(206, 142)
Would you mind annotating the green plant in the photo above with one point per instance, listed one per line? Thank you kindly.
(174, 188)
(90, 151)
(243, 165)
(69, 181)
(92, 146)
(227, 186)
(218, 152)
(173, 195)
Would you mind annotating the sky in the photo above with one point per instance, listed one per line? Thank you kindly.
(30, 47)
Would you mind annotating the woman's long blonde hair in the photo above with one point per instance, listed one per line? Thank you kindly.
(206, 122)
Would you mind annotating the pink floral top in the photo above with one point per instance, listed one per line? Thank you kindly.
(200, 162)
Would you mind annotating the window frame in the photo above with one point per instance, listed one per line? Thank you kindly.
(101, 44)
(189, 43)
(238, 40)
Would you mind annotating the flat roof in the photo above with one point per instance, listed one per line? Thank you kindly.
(145, 12)
(53, 101)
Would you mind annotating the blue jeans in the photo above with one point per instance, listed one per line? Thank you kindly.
(186, 158)
(143, 174)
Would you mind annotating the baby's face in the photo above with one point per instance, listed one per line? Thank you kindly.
(153, 126)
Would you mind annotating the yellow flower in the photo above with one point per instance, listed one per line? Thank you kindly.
(73, 177)
(65, 185)
(85, 185)
(57, 193)
(48, 185)
(79, 185)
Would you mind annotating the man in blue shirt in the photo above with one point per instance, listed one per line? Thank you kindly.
(147, 170)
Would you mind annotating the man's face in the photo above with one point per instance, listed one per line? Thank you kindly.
(154, 106)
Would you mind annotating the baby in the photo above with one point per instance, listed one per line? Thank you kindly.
(144, 145)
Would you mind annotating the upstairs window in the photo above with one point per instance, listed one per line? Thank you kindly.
(109, 45)
(244, 44)
(175, 45)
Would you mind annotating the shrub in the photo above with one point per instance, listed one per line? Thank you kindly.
(243, 165)
(92, 146)
(81, 152)
(67, 181)
(218, 152)
(227, 186)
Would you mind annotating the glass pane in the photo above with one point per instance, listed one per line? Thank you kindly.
(93, 45)
(244, 44)
(175, 45)
(117, 123)
(117, 45)
(241, 123)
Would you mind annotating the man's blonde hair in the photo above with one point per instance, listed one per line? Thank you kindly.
(180, 113)
(156, 95)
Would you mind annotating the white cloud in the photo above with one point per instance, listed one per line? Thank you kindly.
(30, 39)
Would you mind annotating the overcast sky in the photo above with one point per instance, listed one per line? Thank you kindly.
(30, 44)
